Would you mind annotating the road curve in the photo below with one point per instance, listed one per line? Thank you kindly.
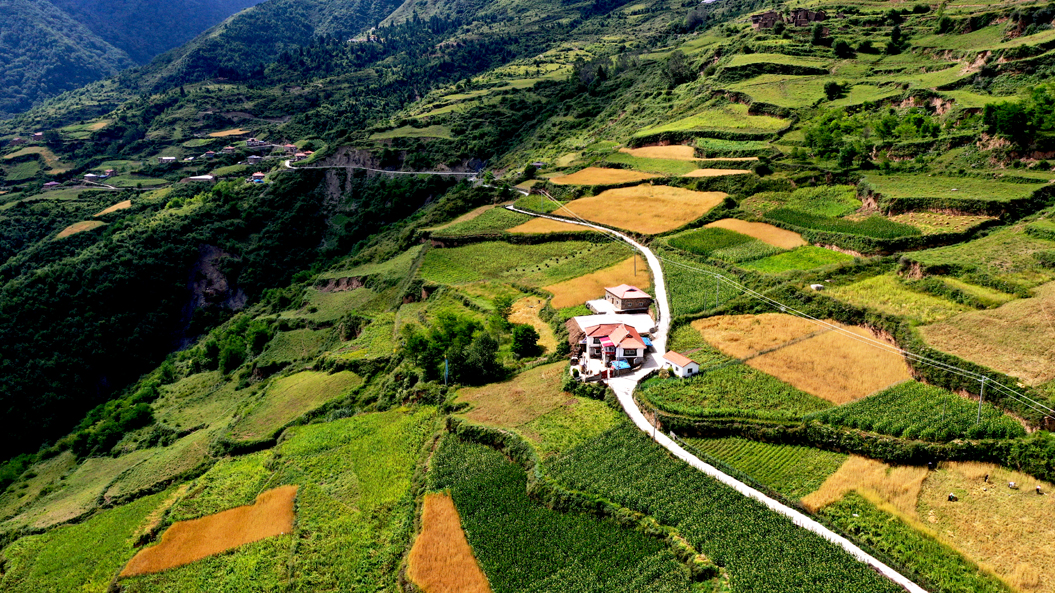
(624, 389)
(289, 166)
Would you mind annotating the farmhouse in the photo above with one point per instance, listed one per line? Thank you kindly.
(228, 150)
(208, 154)
(257, 177)
(110, 172)
(254, 143)
(765, 20)
(38, 136)
(681, 366)
(801, 17)
(16, 141)
(92, 177)
(199, 179)
(253, 159)
(615, 341)
(627, 299)
(51, 185)
(163, 160)
(290, 148)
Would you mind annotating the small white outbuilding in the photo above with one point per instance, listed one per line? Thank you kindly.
(681, 366)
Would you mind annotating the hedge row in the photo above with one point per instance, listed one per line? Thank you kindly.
(685, 136)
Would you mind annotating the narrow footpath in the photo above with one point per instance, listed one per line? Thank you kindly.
(624, 389)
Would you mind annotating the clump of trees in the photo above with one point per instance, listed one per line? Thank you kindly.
(453, 346)
(1022, 121)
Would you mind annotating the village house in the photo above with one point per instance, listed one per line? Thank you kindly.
(208, 154)
(257, 177)
(109, 173)
(38, 136)
(765, 20)
(164, 160)
(16, 141)
(290, 148)
(801, 17)
(627, 299)
(51, 185)
(253, 159)
(613, 342)
(228, 149)
(254, 143)
(92, 177)
(199, 179)
(681, 366)
(300, 156)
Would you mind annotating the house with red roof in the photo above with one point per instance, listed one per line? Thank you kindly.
(615, 341)
(680, 365)
(627, 299)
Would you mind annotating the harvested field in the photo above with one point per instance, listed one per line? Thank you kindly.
(526, 311)
(599, 176)
(79, 227)
(1007, 531)
(118, 206)
(463, 218)
(226, 133)
(716, 172)
(1016, 338)
(678, 152)
(591, 286)
(878, 482)
(539, 226)
(936, 223)
(441, 560)
(767, 233)
(887, 294)
(646, 208)
(187, 541)
(828, 364)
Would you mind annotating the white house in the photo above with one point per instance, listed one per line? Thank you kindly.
(166, 160)
(614, 341)
(682, 366)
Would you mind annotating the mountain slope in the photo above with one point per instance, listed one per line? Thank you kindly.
(44, 51)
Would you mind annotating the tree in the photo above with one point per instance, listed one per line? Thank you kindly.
(232, 355)
(832, 90)
(817, 34)
(525, 341)
(779, 27)
(842, 49)
(944, 25)
(679, 71)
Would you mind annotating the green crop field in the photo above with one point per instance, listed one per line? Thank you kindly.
(792, 471)
(833, 200)
(494, 220)
(717, 147)
(650, 165)
(801, 258)
(689, 290)
(932, 564)
(894, 187)
(730, 390)
(324, 307)
(887, 294)
(376, 340)
(762, 551)
(1008, 255)
(291, 346)
(523, 546)
(731, 116)
(784, 60)
(783, 90)
(917, 411)
(204, 399)
(722, 244)
(393, 269)
(82, 557)
(135, 181)
(185, 455)
(863, 93)
(531, 265)
(288, 398)
(22, 171)
(412, 132)
(988, 297)
(874, 226)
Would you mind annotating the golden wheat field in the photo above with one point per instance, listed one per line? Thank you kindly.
(678, 152)
(540, 226)
(118, 206)
(526, 311)
(744, 336)
(647, 209)
(463, 218)
(601, 176)
(441, 560)
(765, 233)
(79, 227)
(226, 133)
(715, 172)
(187, 541)
(591, 286)
(898, 486)
(519, 400)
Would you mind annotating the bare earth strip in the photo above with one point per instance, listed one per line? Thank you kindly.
(118, 206)
(79, 227)
(1017, 338)
(646, 208)
(441, 560)
(765, 233)
(539, 226)
(715, 172)
(526, 311)
(187, 541)
(226, 133)
(599, 176)
(591, 286)
(677, 152)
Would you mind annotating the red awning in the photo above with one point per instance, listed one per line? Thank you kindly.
(607, 343)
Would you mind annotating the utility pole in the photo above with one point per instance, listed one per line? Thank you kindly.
(717, 280)
(981, 396)
(635, 263)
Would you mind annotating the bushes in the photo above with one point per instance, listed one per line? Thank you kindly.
(875, 226)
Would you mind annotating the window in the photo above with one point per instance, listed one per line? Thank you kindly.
(630, 352)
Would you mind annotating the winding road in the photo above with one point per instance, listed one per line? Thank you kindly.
(624, 390)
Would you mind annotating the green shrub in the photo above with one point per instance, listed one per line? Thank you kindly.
(874, 226)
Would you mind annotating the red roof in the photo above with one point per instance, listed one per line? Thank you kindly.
(602, 330)
(625, 291)
(627, 337)
(678, 359)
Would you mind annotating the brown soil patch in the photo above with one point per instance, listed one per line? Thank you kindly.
(1017, 338)
(591, 286)
(829, 364)
(715, 172)
(98, 125)
(728, 159)
(187, 541)
(526, 311)
(599, 176)
(766, 233)
(226, 133)
(441, 560)
(646, 208)
(1006, 531)
(79, 227)
(538, 226)
(118, 206)
(678, 152)
(898, 487)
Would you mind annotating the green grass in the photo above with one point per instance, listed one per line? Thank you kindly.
(529, 265)
(291, 346)
(722, 244)
(895, 187)
(914, 410)
(82, 557)
(200, 142)
(784, 60)
(393, 270)
(730, 390)
(204, 399)
(1008, 255)
(717, 147)
(232, 482)
(21, 171)
(412, 132)
(689, 290)
(863, 93)
(935, 566)
(663, 166)
(988, 297)
(185, 455)
(288, 398)
(874, 226)
(376, 340)
(790, 470)
(783, 90)
(571, 425)
(833, 200)
(494, 220)
(801, 258)
(134, 181)
(524, 546)
(887, 295)
(230, 171)
(536, 204)
(730, 117)
(761, 550)
(324, 307)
